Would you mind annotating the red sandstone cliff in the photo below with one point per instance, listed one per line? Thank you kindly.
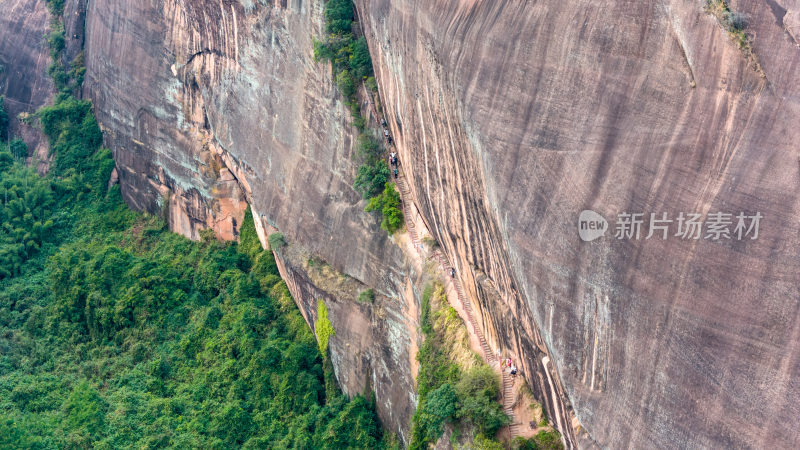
(517, 115)
(510, 117)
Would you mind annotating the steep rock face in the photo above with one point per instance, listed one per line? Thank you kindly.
(374, 348)
(512, 117)
(211, 105)
(149, 71)
(187, 89)
(24, 57)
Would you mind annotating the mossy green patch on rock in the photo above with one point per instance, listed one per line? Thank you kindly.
(322, 327)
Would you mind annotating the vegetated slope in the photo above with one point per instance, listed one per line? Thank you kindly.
(622, 107)
(115, 332)
(455, 385)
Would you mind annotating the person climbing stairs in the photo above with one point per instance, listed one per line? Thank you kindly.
(445, 266)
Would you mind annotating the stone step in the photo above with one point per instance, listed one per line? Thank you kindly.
(405, 191)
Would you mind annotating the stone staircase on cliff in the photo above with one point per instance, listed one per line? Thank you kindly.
(444, 265)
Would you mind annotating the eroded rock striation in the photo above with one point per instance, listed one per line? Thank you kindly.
(24, 58)
(512, 117)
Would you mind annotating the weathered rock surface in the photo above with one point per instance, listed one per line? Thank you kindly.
(211, 105)
(375, 344)
(512, 117)
(24, 57)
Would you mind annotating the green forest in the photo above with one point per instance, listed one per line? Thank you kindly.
(117, 333)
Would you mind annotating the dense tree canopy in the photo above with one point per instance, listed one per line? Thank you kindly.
(338, 16)
(116, 333)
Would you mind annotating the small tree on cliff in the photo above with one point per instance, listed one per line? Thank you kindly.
(338, 16)
(388, 203)
(346, 85)
(360, 62)
(371, 179)
(56, 7)
(323, 328)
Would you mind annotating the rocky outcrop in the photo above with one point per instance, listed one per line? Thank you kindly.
(512, 117)
(374, 348)
(149, 74)
(24, 57)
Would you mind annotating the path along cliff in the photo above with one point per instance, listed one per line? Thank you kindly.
(454, 285)
(447, 274)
